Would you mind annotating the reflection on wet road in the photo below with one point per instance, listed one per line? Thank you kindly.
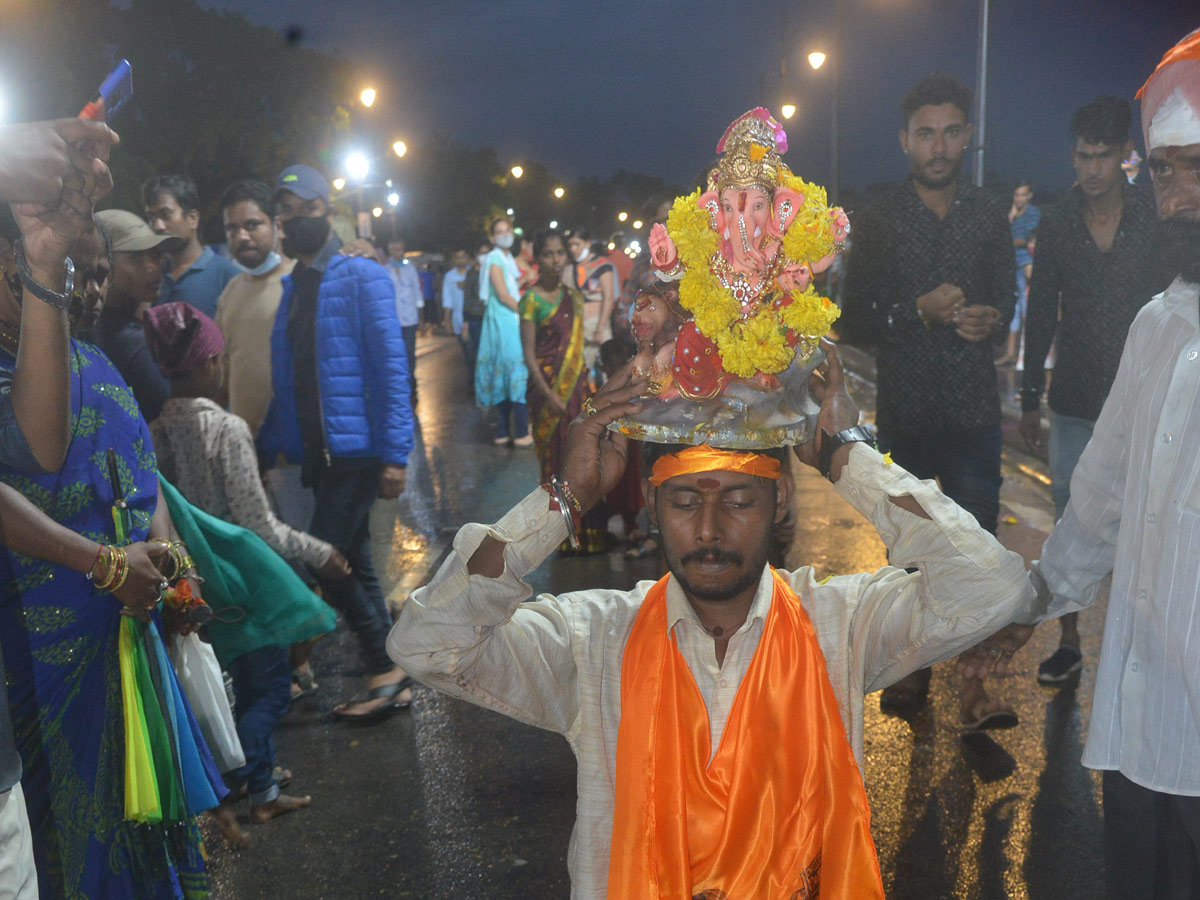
(450, 801)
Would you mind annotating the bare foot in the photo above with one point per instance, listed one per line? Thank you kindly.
(365, 707)
(282, 804)
(226, 819)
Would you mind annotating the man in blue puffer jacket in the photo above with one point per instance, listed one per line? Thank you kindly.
(341, 410)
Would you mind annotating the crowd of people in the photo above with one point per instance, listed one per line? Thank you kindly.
(192, 439)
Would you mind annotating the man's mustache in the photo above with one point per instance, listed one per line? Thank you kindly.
(712, 555)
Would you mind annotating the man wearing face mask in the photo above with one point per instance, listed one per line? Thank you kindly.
(246, 308)
(341, 410)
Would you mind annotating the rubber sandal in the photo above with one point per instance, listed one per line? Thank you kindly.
(381, 712)
(307, 686)
(996, 720)
(282, 776)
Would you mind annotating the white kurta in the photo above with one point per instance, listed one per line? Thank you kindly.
(555, 662)
(1135, 511)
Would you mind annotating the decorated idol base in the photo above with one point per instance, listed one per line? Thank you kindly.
(742, 417)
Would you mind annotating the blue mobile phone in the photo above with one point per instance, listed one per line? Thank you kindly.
(114, 91)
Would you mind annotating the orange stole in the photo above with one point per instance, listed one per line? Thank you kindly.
(779, 814)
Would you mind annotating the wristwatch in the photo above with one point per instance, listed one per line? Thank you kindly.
(831, 442)
(43, 293)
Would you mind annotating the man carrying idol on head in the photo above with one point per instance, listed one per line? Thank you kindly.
(717, 714)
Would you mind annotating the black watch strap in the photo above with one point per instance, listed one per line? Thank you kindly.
(831, 442)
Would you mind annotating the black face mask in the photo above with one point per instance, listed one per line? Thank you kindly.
(304, 235)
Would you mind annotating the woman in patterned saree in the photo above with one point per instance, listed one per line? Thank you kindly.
(115, 768)
(552, 339)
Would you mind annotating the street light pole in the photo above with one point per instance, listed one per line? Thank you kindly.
(981, 93)
(833, 129)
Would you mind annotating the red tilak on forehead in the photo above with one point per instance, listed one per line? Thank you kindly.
(742, 201)
(707, 484)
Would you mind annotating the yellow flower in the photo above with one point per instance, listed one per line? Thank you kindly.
(887, 458)
(757, 345)
(809, 314)
(687, 224)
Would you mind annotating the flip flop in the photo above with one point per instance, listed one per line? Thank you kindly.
(307, 686)
(996, 720)
(387, 692)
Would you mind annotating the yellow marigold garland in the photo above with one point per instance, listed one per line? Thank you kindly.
(759, 344)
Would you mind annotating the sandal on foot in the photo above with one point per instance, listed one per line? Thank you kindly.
(305, 685)
(388, 692)
(995, 720)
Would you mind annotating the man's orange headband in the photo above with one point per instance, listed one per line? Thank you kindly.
(709, 459)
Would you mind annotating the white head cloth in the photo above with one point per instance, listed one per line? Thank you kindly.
(1171, 97)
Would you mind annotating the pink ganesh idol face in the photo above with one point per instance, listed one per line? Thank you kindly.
(747, 214)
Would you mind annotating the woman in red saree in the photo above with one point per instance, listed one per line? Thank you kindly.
(552, 338)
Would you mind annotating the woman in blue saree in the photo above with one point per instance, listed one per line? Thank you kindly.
(75, 695)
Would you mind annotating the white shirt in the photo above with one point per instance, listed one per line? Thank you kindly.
(409, 297)
(555, 662)
(1135, 511)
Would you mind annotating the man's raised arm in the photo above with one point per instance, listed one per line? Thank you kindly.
(471, 632)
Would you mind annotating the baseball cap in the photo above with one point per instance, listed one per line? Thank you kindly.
(129, 233)
(303, 181)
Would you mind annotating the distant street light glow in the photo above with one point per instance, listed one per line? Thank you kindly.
(637, 224)
(377, 211)
(612, 246)
(554, 223)
(558, 192)
(622, 216)
(517, 171)
(367, 97)
(358, 166)
(788, 110)
(393, 199)
(816, 59)
(508, 212)
(339, 183)
(399, 148)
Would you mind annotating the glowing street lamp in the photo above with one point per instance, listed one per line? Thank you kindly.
(517, 171)
(377, 211)
(622, 216)
(788, 110)
(508, 212)
(612, 246)
(558, 192)
(358, 166)
(339, 184)
(367, 97)
(554, 223)
(399, 148)
(393, 199)
(637, 224)
(816, 59)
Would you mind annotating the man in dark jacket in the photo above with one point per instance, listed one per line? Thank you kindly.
(341, 410)
(137, 263)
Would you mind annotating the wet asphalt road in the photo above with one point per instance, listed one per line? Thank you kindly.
(451, 801)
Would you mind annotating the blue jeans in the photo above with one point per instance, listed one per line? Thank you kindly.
(262, 688)
(410, 352)
(1068, 436)
(344, 495)
(966, 463)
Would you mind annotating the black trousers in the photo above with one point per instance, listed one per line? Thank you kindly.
(1151, 842)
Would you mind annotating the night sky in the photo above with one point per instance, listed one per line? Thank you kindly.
(649, 85)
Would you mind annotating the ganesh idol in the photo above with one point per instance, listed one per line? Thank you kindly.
(741, 255)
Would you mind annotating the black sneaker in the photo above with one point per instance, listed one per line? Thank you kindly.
(1065, 661)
